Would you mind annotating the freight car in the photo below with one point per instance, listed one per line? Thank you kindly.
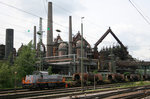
(109, 77)
(99, 77)
(41, 79)
(87, 77)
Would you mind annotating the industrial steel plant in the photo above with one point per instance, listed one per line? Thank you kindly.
(75, 55)
(74, 63)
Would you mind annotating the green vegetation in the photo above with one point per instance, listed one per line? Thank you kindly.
(124, 85)
(23, 65)
(25, 62)
(134, 84)
(126, 73)
(5, 76)
(95, 71)
(50, 70)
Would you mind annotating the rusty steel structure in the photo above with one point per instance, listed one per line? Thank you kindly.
(65, 56)
(71, 62)
(96, 54)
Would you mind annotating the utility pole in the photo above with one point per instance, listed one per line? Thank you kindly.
(113, 65)
(70, 35)
(40, 33)
(70, 43)
(34, 38)
(82, 54)
(15, 80)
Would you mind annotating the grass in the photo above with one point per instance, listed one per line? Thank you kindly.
(124, 85)
(134, 84)
(10, 88)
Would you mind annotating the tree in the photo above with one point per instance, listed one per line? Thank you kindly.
(23, 65)
(5, 76)
(50, 70)
(95, 71)
(25, 62)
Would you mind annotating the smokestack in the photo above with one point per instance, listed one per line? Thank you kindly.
(9, 44)
(34, 42)
(70, 35)
(49, 31)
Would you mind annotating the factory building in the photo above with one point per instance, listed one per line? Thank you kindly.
(65, 56)
(9, 42)
(64, 63)
(8, 50)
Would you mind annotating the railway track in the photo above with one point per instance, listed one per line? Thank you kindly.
(24, 90)
(126, 93)
(10, 89)
(54, 93)
(28, 93)
(13, 90)
(99, 94)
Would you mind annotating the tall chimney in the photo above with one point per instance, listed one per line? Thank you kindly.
(49, 31)
(70, 35)
(9, 44)
(34, 42)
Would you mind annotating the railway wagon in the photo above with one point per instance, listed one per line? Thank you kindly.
(87, 77)
(43, 80)
(109, 77)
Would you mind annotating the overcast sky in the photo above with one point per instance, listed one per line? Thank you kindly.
(124, 20)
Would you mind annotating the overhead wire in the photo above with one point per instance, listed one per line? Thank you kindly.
(140, 10)
(16, 25)
(22, 31)
(19, 31)
(47, 14)
(70, 13)
(45, 7)
(17, 18)
(133, 4)
(94, 24)
(76, 15)
(34, 14)
(22, 10)
(18, 9)
(56, 22)
(2, 28)
(73, 30)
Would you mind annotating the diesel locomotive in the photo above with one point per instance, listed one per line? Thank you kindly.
(41, 79)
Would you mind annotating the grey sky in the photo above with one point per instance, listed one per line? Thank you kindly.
(120, 15)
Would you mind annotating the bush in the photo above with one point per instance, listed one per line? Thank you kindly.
(6, 77)
(50, 70)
